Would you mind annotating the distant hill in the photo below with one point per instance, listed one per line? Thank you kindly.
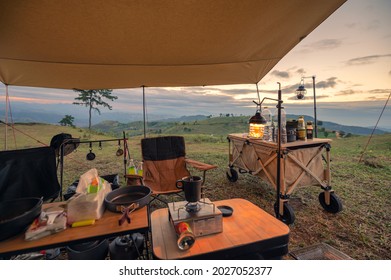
(116, 122)
(211, 126)
(331, 126)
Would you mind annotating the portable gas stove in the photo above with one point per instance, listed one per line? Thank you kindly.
(203, 216)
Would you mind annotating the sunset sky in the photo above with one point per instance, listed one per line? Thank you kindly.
(349, 53)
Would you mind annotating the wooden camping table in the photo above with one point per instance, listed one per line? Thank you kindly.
(259, 157)
(105, 227)
(250, 230)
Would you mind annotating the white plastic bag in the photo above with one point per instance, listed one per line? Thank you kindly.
(88, 206)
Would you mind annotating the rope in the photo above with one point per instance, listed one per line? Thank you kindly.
(43, 144)
(12, 123)
(370, 137)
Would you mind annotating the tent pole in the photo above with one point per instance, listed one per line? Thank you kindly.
(144, 111)
(6, 117)
(278, 187)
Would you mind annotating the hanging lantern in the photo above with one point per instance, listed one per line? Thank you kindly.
(301, 91)
(256, 125)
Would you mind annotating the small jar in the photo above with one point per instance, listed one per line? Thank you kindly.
(310, 130)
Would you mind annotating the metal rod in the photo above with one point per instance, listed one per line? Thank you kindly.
(61, 170)
(279, 150)
(315, 119)
(145, 133)
(74, 141)
(6, 117)
(125, 152)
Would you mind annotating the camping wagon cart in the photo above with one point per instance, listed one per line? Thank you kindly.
(304, 163)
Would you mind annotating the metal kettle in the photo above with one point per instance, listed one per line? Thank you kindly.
(127, 247)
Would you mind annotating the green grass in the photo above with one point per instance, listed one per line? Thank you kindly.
(362, 230)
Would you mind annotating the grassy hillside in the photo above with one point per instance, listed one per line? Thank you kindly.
(362, 230)
(217, 126)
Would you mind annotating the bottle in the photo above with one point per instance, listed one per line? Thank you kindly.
(283, 126)
(310, 130)
(132, 168)
(140, 169)
(267, 130)
(301, 131)
(275, 125)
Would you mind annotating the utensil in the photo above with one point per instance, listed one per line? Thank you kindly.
(191, 186)
(90, 155)
(16, 215)
(126, 211)
(125, 196)
(119, 152)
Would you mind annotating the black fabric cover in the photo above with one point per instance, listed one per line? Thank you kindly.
(61, 138)
(163, 148)
(28, 173)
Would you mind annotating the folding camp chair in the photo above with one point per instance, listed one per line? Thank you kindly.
(164, 163)
(28, 173)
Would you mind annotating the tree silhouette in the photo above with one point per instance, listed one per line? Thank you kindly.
(67, 121)
(92, 98)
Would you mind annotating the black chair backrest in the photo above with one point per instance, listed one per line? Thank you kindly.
(163, 148)
(28, 173)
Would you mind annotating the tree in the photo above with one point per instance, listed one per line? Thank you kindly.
(67, 121)
(92, 98)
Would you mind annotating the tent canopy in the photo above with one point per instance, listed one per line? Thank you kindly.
(92, 44)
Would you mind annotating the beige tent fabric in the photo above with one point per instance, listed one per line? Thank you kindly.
(91, 44)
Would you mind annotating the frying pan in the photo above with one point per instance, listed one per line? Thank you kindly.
(122, 197)
(90, 155)
(16, 215)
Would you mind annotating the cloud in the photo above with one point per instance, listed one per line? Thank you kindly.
(383, 90)
(364, 60)
(347, 92)
(325, 44)
(300, 71)
(280, 74)
(374, 24)
(329, 83)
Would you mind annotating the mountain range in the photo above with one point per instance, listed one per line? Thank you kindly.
(53, 113)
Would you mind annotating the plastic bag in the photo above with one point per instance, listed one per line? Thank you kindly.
(88, 202)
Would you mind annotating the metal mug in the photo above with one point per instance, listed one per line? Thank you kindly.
(191, 186)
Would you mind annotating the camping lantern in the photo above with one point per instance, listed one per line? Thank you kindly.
(256, 125)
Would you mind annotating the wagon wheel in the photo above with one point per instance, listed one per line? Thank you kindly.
(289, 215)
(232, 175)
(335, 203)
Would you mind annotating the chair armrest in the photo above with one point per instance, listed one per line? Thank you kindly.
(200, 165)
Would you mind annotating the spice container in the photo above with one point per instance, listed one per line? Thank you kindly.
(301, 131)
(310, 130)
(291, 127)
